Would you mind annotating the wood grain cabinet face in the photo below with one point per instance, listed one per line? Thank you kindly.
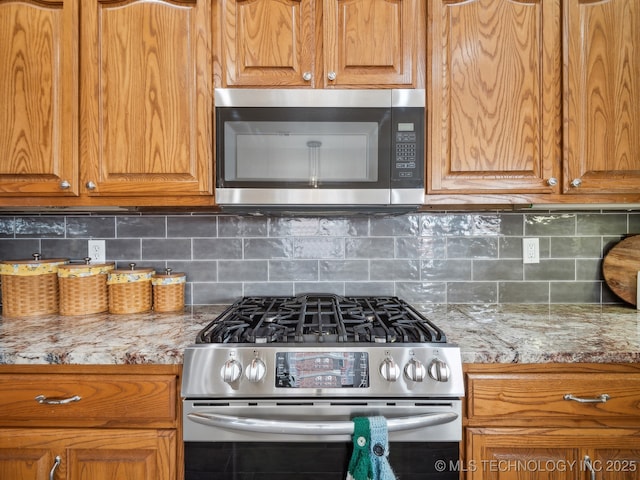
(38, 92)
(558, 454)
(542, 399)
(87, 454)
(102, 400)
(602, 97)
(146, 98)
(102, 423)
(552, 421)
(319, 43)
(494, 96)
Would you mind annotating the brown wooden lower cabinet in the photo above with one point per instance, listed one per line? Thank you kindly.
(87, 454)
(552, 421)
(535, 453)
(90, 422)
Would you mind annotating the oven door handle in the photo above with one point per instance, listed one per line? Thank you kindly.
(291, 427)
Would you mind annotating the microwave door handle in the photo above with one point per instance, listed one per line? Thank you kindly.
(291, 427)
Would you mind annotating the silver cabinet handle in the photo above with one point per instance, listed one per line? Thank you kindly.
(90, 185)
(601, 399)
(331, 76)
(290, 427)
(589, 466)
(57, 401)
(552, 182)
(576, 182)
(55, 467)
(306, 76)
(65, 185)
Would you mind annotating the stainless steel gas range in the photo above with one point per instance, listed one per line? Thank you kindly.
(290, 373)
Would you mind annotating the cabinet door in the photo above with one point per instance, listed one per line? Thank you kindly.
(24, 463)
(87, 454)
(38, 88)
(130, 454)
(619, 462)
(494, 96)
(269, 42)
(146, 110)
(370, 42)
(602, 96)
(557, 454)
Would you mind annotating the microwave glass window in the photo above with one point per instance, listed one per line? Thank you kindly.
(313, 152)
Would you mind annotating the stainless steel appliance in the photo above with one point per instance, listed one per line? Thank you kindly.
(320, 148)
(287, 375)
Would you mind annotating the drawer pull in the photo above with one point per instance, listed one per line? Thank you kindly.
(57, 401)
(55, 467)
(601, 399)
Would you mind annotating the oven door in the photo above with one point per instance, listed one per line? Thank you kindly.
(230, 440)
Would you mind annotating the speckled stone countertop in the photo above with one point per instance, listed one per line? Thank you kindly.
(485, 334)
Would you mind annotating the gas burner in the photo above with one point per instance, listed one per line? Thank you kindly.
(321, 319)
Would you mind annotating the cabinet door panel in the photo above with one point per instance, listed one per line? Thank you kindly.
(38, 88)
(602, 96)
(24, 464)
(370, 42)
(495, 96)
(269, 42)
(621, 463)
(88, 454)
(558, 454)
(147, 98)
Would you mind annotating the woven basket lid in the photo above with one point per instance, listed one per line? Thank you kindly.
(36, 266)
(130, 275)
(169, 277)
(86, 269)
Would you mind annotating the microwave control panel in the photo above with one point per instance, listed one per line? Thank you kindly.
(407, 167)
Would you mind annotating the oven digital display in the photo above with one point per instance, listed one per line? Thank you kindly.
(322, 369)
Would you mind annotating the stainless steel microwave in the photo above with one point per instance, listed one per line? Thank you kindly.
(320, 148)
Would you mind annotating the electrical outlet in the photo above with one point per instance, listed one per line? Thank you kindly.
(530, 250)
(97, 251)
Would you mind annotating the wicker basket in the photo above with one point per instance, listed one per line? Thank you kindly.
(168, 291)
(130, 290)
(30, 287)
(83, 288)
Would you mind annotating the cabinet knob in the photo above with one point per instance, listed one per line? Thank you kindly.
(576, 182)
(552, 182)
(64, 185)
(90, 185)
(306, 76)
(331, 76)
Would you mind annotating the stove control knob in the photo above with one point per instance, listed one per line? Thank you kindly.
(439, 370)
(256, 370)
(390, 370)
(414, 370)
(231, 370)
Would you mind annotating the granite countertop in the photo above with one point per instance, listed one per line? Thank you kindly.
(485, 334)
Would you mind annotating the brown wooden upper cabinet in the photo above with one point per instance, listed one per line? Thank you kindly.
(319, 43)
(39, 98)
(602, 97)
(495, 96)
(104, 100)
(519, 105)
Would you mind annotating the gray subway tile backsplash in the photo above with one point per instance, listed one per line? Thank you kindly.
(437, 258)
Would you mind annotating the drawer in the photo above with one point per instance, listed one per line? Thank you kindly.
(541, 398)
(88, 400)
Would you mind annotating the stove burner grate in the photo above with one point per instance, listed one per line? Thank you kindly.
(321, 318)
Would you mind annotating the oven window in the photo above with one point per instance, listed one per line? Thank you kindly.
(312, 461)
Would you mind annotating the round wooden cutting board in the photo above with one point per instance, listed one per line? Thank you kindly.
(620, 268)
